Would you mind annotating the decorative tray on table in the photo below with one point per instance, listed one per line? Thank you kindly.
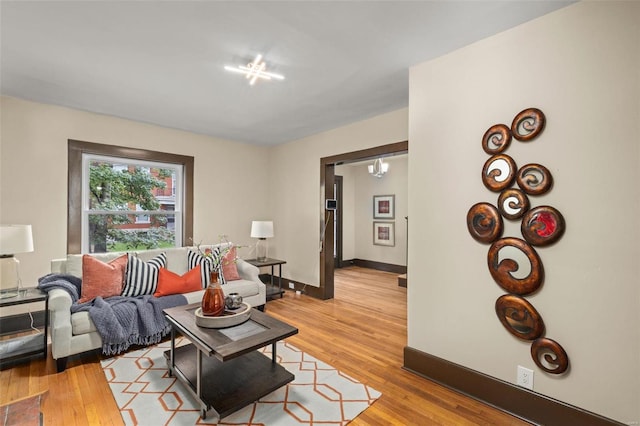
(229, 317)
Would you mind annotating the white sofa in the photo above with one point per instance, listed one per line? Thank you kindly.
(74, 334)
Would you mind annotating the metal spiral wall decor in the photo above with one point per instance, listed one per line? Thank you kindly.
(540, 226)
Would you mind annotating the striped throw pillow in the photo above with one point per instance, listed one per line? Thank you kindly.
(142, 277)
(194, 259)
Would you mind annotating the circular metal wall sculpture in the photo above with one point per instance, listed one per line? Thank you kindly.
(534, 179)
(498, 172)
(519, 317)
(513, 203)
(496, 139)
(502, 270)
(528, 124)
(555, 358)
(542, 226)
(484, 223)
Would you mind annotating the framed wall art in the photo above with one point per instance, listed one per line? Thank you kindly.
(384, 234)
(384, 206)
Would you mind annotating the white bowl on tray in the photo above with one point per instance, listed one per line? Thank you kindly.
(229, 318)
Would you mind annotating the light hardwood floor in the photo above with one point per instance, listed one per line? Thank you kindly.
(362, 331)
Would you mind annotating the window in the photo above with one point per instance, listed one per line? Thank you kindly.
(142, 218)
(115, 191)
(127, 199)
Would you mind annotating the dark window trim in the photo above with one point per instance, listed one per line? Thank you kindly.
(74, 205)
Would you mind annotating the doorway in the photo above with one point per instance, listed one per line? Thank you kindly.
(328, 189)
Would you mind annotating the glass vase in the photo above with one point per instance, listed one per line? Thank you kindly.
(213, 299)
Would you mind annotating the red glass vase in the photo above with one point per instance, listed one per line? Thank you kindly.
(213, 299)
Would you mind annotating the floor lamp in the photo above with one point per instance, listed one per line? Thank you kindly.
(13, 239)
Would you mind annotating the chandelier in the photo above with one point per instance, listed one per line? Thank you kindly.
(378, 168)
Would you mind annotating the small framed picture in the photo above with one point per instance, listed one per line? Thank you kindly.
(384, 206)
(384, 234)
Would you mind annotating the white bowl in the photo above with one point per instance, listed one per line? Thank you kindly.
(228, 319)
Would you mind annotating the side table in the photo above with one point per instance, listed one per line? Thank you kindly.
(23, 347)
(272, 290)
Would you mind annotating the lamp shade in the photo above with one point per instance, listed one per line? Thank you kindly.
(261, 229)
(15, 239)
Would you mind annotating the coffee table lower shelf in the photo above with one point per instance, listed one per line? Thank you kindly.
(231, 385)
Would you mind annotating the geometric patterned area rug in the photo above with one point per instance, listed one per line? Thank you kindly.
(320, 395)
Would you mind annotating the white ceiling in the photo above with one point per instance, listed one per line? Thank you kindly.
(162, 62)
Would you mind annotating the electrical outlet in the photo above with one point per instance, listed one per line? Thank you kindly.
(525, 377)
(292, 285)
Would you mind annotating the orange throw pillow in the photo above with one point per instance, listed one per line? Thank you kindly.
(229, 267)
(102, 279)
(172, 283)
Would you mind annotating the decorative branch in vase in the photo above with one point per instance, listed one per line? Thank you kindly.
(213, 300)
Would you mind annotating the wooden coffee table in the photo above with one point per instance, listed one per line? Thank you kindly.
(221, 367)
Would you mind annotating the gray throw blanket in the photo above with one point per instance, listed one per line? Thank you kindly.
(125, 321)
(121, 321)
(69, 283)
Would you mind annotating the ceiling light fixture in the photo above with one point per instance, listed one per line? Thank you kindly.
(378, 168)
(254, 70)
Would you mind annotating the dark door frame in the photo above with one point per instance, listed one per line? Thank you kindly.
(327, 180)
(338, 221)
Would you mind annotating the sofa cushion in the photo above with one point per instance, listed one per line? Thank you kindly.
(245, 288)
(142, 277)
(101, 279)
(194, 296)
(216, 255)
(194, 259)
(171, 283)
(176, 258)
(229, 267)
(81, 323)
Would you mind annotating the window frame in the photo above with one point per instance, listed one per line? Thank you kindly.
(77, 148)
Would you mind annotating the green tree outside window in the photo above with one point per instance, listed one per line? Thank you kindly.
(114, 193)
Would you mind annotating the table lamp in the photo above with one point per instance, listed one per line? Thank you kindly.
(261, 230)
(13, 239)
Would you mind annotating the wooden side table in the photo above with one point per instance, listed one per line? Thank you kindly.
(272, 290)
(23, 347)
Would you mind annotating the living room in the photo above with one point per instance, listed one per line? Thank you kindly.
(579, 65)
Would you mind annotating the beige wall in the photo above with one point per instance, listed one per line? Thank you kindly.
(229, 190)
(359, 189)
(234, 183)
(295, 197)
(580, 65)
